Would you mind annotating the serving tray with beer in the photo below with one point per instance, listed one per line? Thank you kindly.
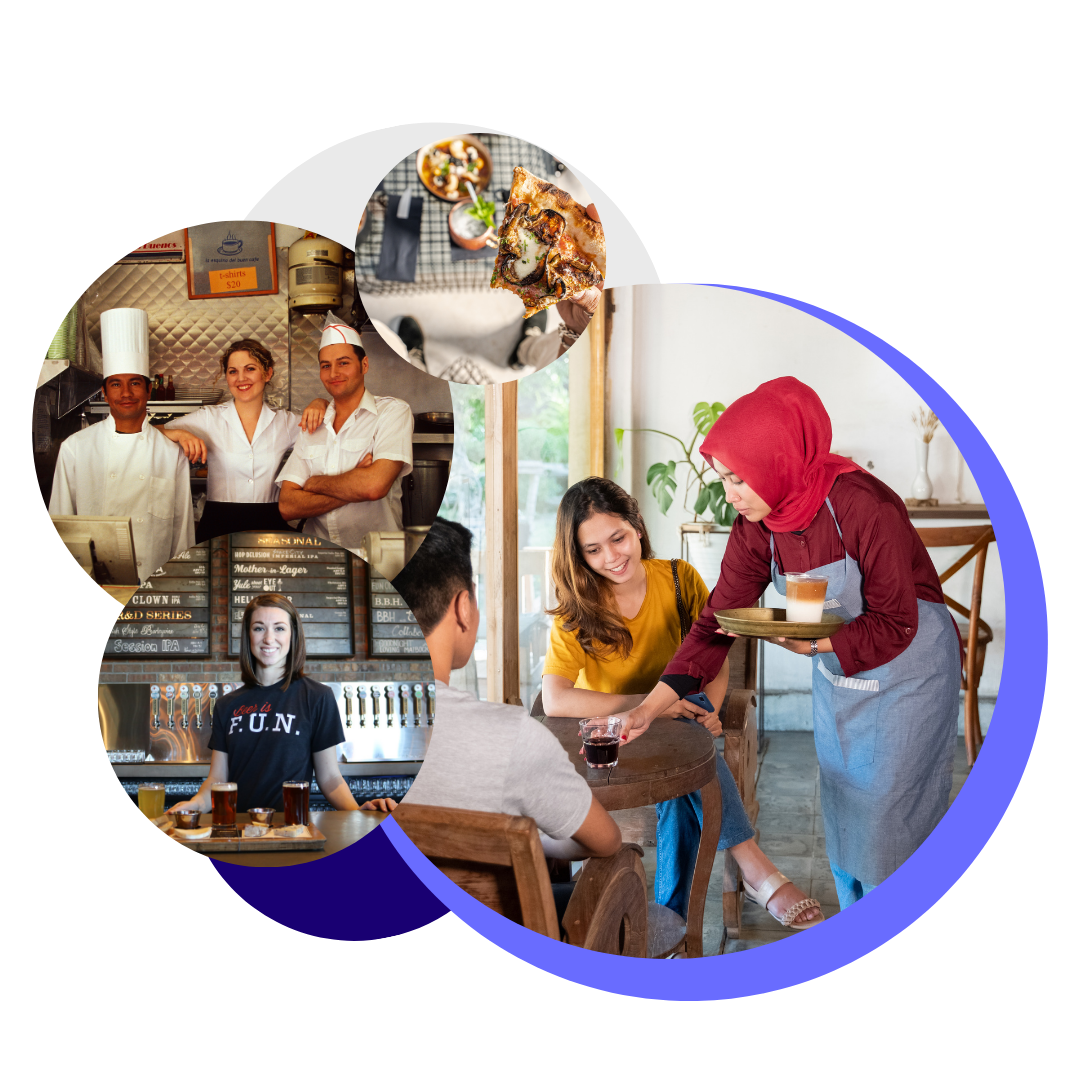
(764, 622)
(230, 839)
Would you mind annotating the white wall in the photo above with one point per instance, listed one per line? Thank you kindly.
(675, 345)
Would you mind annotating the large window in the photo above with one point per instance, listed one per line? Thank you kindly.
(543, 457)
(539, 443)
(543, 424)
(464, 502)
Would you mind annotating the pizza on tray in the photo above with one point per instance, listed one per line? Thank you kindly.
(549, 247)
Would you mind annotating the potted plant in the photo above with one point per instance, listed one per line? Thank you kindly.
(705, 537)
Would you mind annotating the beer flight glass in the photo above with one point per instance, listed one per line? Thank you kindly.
(223, 803)
(152, 799)
(296, 794)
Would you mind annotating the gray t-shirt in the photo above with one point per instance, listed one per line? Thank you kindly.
(497, 758)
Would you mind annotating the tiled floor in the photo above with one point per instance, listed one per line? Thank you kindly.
(791, 834)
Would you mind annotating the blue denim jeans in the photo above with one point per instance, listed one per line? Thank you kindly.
(848, 889)
(678, 833)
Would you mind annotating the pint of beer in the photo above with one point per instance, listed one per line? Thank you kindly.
(296, 794)
(152, 799)
(223, 802)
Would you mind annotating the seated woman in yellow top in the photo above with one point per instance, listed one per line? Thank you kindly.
(616, 627)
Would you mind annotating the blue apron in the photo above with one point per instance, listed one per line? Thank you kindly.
(885, 740)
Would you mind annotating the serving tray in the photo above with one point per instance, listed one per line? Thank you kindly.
(222, 845)
(764, 622)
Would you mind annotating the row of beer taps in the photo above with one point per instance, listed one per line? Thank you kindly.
(389, 701)
(179, 696)
(377, 703)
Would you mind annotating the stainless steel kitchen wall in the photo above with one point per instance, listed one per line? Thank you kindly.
(187, 337)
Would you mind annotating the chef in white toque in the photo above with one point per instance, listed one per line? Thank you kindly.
(345, 479)
(123, 467)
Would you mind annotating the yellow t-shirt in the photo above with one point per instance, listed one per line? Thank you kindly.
(654, 629)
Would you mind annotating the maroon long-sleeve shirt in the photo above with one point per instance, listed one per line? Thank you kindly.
(896, 570)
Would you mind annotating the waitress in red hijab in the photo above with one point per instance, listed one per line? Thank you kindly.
(886, 686)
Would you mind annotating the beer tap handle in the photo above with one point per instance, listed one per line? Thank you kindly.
(431, 703)
(361, 694)
(197, 688)
(155, 705)
(375, 706)
(388, 692)
(347, 691)
(418, 694)
(404, 691)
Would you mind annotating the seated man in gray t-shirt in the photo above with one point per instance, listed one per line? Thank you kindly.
(485, 756)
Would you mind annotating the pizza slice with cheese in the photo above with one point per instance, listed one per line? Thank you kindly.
(549, 247)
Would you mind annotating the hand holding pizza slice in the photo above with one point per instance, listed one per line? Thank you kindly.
(550, 249)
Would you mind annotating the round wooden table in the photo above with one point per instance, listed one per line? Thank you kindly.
(671, 759)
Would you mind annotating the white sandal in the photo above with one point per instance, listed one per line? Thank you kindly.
(764, 893)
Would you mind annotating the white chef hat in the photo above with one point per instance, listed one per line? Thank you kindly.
(125, 342)
(336, 332)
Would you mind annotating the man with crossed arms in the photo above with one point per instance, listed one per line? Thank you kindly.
(345, 478)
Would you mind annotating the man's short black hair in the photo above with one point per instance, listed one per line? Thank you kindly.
(438, 571)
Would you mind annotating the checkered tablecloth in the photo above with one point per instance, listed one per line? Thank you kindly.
(435, 271)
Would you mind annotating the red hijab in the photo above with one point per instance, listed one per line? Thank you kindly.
(777, 439)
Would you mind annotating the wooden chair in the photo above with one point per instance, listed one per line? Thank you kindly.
(497, 858)
(738, 715)
(976, 633)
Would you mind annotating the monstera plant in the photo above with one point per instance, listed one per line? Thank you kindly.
(663, 478)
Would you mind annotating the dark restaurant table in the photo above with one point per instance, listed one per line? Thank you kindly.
(671, 759)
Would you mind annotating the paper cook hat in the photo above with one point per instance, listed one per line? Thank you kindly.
(336, 332)
(125, 342)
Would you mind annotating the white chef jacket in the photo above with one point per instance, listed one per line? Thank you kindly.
(238, 471)
(380, 426)
(102, 472)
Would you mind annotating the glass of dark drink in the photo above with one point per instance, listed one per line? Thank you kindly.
(223, 803)
(600, 738)
(296, 794)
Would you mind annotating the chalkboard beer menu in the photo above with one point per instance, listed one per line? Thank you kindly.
(313, 573)
(394, 630)
(169, 615)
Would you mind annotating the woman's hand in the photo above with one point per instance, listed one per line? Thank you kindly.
(711, 723)
(683, 710)
(801, 648)
(312, 417)
(634, 724)
(187, 804)
(687, 710)
(194, 449)
(385, 806)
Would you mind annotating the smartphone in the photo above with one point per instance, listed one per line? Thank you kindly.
(700, 700)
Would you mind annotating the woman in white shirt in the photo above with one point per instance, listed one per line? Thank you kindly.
(243, 442)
